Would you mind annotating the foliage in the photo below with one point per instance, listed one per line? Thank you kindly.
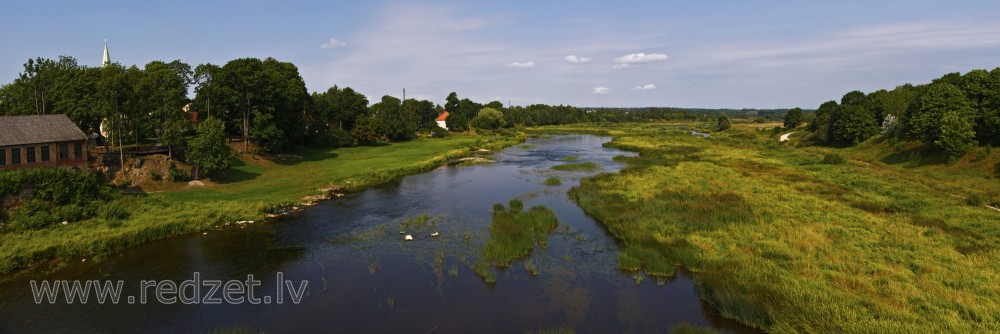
(793, 118)
(889, 125)
(853, 125)
(174, 174)
(208, 149)
(397, 123)
(438, 132)
(38, 197)
(723, 123)
(488, 118)
(367, 130)
(954, 135)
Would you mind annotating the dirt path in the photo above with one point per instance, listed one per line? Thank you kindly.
(784, 137)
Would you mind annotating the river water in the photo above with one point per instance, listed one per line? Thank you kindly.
(364, 277)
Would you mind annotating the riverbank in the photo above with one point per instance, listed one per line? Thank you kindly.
(779, 240)
(249, 192)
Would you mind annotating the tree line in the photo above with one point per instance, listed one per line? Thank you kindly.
(952, 114)
(265, 104)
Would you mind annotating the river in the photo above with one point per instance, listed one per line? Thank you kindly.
(364, 277)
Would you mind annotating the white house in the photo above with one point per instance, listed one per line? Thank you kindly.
(441, 120)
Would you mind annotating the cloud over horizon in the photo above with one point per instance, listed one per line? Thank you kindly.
(600, 90)
(644, 87)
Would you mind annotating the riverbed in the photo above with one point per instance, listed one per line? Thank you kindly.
(363, 276)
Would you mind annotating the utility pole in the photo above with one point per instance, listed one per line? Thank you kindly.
(404, 94)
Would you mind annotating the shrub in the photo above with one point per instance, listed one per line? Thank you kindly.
(155, 175)
(833, 159)
(438, 132)
(723, 123)
(975, 200)
(175, 174)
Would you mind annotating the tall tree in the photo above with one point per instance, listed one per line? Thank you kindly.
(164, 89)
(243, 84)
(451, 103)
(923, 121)
(397, 122)
(203, 78)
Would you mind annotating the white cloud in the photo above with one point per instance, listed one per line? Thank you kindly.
(639, 58)
(600, 90)
(516, 64)
(333, 43)
(622, 66)
(577, 60)
(644, 87)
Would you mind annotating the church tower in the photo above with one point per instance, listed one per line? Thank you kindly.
(107, 59)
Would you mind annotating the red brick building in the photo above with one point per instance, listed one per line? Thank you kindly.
(41, 141)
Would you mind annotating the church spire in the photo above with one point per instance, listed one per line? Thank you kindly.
(107, 59)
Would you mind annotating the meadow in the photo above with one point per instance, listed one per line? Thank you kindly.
(779, 240)
(251, 191)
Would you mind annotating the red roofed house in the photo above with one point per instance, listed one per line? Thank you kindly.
(441, 120)
(41, 141)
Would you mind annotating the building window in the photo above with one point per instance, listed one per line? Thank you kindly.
(15, 156)
(77, 150)
(3, 157)
(45, 152)
(63, 151)
(30, 150)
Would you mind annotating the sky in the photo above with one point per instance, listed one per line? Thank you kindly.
(696, 54)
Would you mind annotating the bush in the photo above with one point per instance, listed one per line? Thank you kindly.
(833, 159)
(175, 174)
(48, 195)
(724, 123)
(975, 200)
(438, 132)
(155, 175)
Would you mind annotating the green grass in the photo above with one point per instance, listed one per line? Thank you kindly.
(247, 192)
(514, 233)
(578, 166)
(781, 241)
(552, 181)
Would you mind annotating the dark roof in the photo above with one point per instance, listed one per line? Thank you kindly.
(34, 129)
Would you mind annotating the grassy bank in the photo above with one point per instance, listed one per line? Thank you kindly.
(249, 191)
(779, 240)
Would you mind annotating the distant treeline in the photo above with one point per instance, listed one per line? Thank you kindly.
(952, 114)
(266, 103)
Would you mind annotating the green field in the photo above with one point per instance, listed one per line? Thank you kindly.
(248, 191)
(781, 241)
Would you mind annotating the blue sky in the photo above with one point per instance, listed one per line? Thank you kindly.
(735, 54)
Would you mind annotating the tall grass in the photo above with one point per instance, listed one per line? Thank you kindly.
(783, 242)
(514, 233)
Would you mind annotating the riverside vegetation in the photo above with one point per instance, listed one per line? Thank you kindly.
(250, 191)
(779, 240)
